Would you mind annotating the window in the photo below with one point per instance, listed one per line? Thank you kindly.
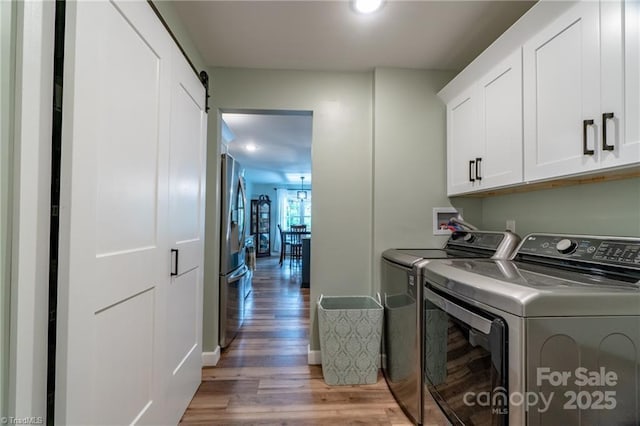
(298, 211)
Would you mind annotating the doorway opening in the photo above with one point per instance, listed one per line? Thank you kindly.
(274, 149)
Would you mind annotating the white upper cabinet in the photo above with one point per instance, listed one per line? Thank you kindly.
(581, 91)
(629, 151)
(565, 102)
(562, 95)
(462, 142)
(501, 124)
(484, 131)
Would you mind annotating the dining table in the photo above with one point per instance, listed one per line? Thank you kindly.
(287, 237)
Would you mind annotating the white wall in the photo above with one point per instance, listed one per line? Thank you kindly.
(7, 62)
(409, 174)
(341, 157)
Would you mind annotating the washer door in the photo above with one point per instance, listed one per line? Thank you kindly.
(465, 361)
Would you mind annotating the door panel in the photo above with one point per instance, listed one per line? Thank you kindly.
(502, 123)
(124, 338)
(612, 79)
(186, 225)
(183, 312)
(561, 81)
(630, 149)
(126, 143)
(462, 141)
(114, 264)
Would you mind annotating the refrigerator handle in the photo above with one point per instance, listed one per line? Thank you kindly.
(241, 272)
(242, 194)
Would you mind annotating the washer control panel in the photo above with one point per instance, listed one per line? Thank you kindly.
(624, 251)
(487, 240)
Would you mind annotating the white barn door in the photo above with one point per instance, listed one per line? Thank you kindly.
(128, 332)
(187, 159)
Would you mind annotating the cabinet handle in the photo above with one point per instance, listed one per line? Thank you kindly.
(478, 160)
(471, 163)
(606, 116)
(174, 271)
(585, 150)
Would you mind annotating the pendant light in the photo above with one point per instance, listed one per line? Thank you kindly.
(302, 194)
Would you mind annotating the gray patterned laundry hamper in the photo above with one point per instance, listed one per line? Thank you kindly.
(350, 332)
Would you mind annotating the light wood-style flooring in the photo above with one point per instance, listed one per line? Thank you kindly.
(263, 376)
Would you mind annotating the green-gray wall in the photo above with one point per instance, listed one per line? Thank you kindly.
(171, 17)
(409, 174)
(341, 152)
(607, 208)
(7, 64)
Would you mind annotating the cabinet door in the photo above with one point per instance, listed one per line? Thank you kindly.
(561, 93)
(630, 146)
(501, 124)
(462, 142)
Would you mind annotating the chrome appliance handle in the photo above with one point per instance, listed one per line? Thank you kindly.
(242, 271)
(464, 315)
(243, 231)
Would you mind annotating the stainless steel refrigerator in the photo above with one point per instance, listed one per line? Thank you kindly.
(234, 275)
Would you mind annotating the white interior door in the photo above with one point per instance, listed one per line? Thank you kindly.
(186, 221)
(114, 246)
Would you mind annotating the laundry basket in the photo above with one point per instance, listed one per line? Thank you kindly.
(350, 332)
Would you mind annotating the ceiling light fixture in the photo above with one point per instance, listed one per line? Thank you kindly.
(366, 6)
(302, 194)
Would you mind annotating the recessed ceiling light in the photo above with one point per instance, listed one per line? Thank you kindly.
(366, 6)
(251, 147)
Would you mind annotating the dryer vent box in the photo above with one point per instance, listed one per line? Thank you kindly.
(441, 216)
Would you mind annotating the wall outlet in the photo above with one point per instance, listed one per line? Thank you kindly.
(511, 225)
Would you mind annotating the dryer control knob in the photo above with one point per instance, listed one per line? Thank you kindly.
(566, 246)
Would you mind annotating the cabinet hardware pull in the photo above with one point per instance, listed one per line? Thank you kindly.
(174, 271)
(585, 150)
(478, 160)
(471, 163)
(606, 116)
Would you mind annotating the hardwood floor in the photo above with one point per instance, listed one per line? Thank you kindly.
(263, 376)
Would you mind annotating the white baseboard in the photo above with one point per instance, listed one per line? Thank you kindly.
(210, 359)
(313, 357)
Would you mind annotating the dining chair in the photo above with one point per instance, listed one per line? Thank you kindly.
(283, 246)
(295, 241)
